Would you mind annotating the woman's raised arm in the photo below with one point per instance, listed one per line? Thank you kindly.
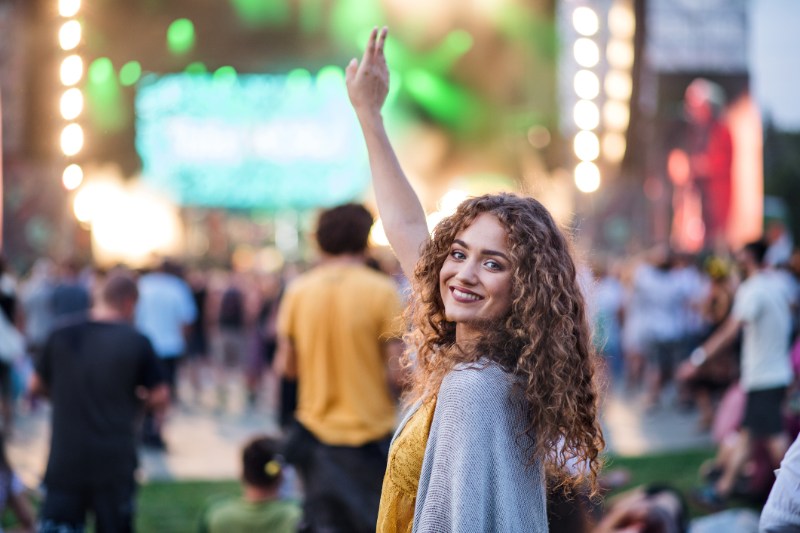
(400, 209)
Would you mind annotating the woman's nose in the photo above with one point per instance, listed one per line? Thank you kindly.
(467, 273)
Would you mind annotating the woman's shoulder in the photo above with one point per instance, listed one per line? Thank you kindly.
(482, 382)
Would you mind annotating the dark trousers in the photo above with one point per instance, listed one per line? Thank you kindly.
(113, 505)
(343, 487)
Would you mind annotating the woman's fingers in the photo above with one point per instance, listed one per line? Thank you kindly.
(350, 70)
(381, 40)
(370, 51)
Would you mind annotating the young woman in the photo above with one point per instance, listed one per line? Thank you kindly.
(502, 372)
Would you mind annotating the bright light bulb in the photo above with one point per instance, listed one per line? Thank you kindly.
(72, 177)
(587, 84)
(620, 54)
(587, 54)
(585, 21)
(71, 139)
(616, 115)
(68, 8)
(71, 103)
(587, 177)
(586, 115)
(621, 21)
(71, 70)
(586, 146)
(69, 36)
(618, 85)
(614, 145)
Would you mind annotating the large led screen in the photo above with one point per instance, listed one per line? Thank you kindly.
(251, 141)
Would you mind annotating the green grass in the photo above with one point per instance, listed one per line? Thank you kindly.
(176, 506)
(677, 469)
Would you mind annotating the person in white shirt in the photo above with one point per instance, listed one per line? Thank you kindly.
(761, 310)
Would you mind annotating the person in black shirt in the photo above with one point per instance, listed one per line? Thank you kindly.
(97, 373)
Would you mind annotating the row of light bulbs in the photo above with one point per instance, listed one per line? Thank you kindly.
(617, 87)
(71, 103)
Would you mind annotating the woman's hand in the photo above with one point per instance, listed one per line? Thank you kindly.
(368, 82)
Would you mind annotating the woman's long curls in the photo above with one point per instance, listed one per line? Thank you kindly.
(544, 340)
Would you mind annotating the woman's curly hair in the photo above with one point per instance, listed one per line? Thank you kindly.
(544, 339)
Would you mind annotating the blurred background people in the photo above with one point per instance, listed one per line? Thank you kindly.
(260, 507)
(96, 373)
(164, 313)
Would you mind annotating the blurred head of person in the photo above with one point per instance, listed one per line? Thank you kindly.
(118, 296)
(703, 100)
(750, 258)
(344, 230)
(262, 466)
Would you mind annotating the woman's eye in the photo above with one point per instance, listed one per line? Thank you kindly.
(455, 254)
(494, 265)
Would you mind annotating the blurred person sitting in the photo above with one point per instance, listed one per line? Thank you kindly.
(260, 507)
(97, 372)
(761, 310)
(647, 509)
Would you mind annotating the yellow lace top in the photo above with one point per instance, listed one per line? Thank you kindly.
(399, 493)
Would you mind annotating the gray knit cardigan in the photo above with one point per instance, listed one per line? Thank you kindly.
(475, 476)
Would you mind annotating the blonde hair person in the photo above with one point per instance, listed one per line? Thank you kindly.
(502, 379)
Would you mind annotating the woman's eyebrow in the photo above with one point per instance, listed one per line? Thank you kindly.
(484, 252)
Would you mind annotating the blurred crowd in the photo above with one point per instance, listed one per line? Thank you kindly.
(215, 331)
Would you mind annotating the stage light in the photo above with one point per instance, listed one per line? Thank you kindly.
(585, 21)
(71, 70)
(587, 85)
(71, 139)
(621, 21)
(196, 68)
(180, 36)
(586, 115)
(620, 54)
(618, 85)
(586, 146)
(587, 54)
(130, 73)
(68, 8)
(616, 115)
(587, 177)
(226, 75)
(614, 145)
(101, 70)
(69, 36)
(71, 103)
(72, 177)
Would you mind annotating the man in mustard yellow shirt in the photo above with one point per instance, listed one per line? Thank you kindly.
(338, 335)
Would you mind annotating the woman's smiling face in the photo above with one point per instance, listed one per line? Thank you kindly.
(475, 279)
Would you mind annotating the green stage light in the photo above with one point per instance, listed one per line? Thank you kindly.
(298, 80)
(226, 75)
(130, 73)
(446, 102)
(101, 71)
(180, 36)
(350, 19)
(196, 68)
(104, 98)
(255, 13)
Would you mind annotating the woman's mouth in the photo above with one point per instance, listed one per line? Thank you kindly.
(464, 296)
